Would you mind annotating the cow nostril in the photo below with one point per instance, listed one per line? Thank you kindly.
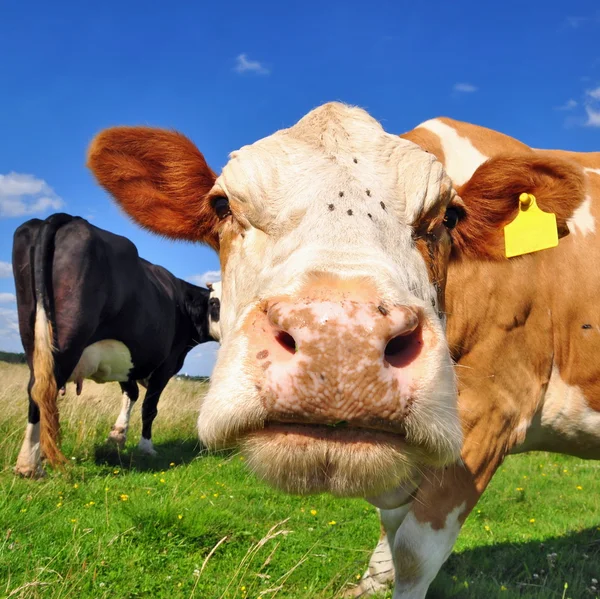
(403, 349)
(287, 341)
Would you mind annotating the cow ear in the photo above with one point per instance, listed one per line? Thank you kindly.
(491, 199)
(159, 178)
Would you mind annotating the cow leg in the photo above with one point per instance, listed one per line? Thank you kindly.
(158, 381)
(380, 572)
(422, 536)
(29, 461)
(118, 434)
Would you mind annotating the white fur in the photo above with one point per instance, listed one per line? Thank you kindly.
(280, 188)
(121, 426)
(146, 446)
(462, 158)
(29, 459)
(595, 171)
(565, 422)
(582, 220)
(429, 548)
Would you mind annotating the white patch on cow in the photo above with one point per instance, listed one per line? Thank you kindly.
(118, 434)
(29, 459)
(565, 423)
(461, 157)
(146, 446)
(595, 171)
(427, 549)
(582, 220)
(104, 361)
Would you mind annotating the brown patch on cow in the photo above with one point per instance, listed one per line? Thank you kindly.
(229, 233)
(427, 140)
(159, 178)
(491, 198)
(261, 355)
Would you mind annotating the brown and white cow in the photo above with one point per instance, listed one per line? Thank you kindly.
(525, 334)
(335, 239)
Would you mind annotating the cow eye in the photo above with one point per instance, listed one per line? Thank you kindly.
(451, 217)
(221, 207)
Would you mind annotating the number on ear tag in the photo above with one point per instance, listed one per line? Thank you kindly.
(532, 230)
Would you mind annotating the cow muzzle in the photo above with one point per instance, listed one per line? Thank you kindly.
(342, 363)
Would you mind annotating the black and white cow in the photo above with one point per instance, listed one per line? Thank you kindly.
(90, 307)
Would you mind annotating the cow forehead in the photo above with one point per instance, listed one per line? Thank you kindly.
(333, 150)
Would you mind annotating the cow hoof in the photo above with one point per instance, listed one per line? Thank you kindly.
(365, 588)
(145, 446)
(118, 437)
(29, 471)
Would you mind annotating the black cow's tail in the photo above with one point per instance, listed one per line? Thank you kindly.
(44, 391)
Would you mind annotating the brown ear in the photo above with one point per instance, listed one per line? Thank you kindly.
(159, 178)
(491, 199)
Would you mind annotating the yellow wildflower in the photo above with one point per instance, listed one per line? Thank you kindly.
(162, 480)
(579, 488)
(124, 497)
(180, 516)
(332, 523)
(172, 464)
(532, 520)
(76, 486)
(313, 512)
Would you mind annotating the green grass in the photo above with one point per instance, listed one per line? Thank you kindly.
(195, 525)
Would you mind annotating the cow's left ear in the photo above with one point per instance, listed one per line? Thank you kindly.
(159, 178)
(491, 199)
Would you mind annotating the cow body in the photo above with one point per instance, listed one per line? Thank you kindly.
(336, 240)
(525, 335)
(90, 307)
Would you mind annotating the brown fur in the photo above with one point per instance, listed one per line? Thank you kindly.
(491, 198)
(44, 391)
(159, 178)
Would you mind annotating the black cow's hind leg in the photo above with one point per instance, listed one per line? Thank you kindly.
(29, 460)
(118, 434)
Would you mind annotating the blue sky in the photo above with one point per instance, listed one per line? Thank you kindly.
(229, 73)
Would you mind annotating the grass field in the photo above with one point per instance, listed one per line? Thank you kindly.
(195, 525)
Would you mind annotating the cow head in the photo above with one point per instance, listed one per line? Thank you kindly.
(214, 310)
(334, 238)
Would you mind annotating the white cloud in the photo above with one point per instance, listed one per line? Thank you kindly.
(7, 298)
(594, 93)
(5, 270)
(22, 194)
(210, 276)
(464, 88)
(593, 116)
(10, 339)
(568, 105)
(576, 22)
(244, 65)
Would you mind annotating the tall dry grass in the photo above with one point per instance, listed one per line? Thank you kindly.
(87, 419)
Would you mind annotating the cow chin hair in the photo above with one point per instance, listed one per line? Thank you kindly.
(306, 465)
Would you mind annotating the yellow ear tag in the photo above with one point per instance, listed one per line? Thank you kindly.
(532, 230)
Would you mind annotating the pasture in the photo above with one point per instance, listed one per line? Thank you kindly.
(190, 524)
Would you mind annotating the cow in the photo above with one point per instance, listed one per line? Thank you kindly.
(90, 307)
(335, 240)
(214, 310)
(525, 350)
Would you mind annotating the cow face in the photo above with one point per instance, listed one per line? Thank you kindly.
(214, 310)
(333, 373)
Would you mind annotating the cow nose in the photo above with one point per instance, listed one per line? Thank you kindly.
(347, 329)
